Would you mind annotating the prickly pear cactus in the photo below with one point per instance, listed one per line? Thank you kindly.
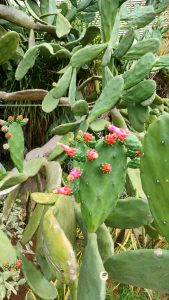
(98, 177)
(155, 172)
(57, 248)
(14, 135)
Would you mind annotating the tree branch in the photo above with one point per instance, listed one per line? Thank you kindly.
(21, 19)
(29, 95)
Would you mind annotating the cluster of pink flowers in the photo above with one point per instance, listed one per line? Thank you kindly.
(70, 151)
(91, 154)
(5, 124)
(120, 133)
(4, 129)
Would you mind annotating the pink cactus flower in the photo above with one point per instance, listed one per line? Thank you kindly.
(74, 174)
(4, 128)
(69, 150)
(87, 137)
(120, 133)
(106, 168)
(92, 154)
(110, 139)
(66, 190)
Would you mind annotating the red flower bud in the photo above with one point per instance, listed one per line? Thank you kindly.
(74, 174)
(10, 119)
(18, 264)
(110, 139)
(69, 150)
(92, 154)
(8, 135)
(87, 137)
(106, 168)
(138, 153)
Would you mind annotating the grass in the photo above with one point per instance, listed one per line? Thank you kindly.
(129, 293)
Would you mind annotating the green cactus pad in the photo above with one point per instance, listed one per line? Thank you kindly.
(92, 274)
(33, 224)
(52, 98)
(140, 70)
(105, 242)
(27, 62)
(124, 44)
(142, 47)
(57, 248)
(140, 92)
(108, 98)
(7, 251)
(108, 11)
(80, 108)
(8, 46)
(86, 54)
(62, 25)
(138, 116)
(53, 175)
(40, 286)
(142, 268)
(129, 213)
(16, 145)
(65, 128)
(99, 125)
(31, 168)
(99, 192)
(155, 172)
(65, 216)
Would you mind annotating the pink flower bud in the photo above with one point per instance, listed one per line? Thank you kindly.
(120, 133)
(8, 135)
(74, 174)
(110, 139)
(92, 154)
(4, 128)
(69, 150)
(87, 137)
(66, 190)
(106, 168)
(10, 119)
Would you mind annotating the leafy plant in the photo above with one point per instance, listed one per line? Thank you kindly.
(102, 184)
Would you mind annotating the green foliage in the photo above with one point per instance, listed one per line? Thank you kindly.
(16, 145)
(129, 213)
(154, 172)
(7, 251)
(112, 71)
(139, 268)
(42, 288)
(92, 274)
(8, 46)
